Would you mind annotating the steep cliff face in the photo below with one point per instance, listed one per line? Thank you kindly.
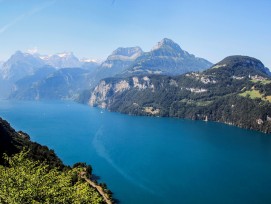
(102, 94)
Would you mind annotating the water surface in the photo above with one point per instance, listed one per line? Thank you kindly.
(153, 160)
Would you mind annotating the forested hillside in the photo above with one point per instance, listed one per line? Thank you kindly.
(235, 91)
(32, 173)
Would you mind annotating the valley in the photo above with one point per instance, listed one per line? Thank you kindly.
(166, 81)
(135, 102)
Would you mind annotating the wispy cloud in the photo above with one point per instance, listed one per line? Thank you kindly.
(11, 23)
(25, 15)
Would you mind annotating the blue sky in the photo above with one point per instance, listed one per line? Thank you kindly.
(212, 29)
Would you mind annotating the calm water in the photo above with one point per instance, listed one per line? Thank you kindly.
(153, 160)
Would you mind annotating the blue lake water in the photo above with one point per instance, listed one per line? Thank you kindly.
(153, 160)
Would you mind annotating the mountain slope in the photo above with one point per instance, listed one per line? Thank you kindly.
(27, 76)
(31, 173)
(167, 58)
(12, 142)
(120, 60)
(222, 93)
(21, 87)
(20, 80)
(64, 83)
(239, 66)
(67, 83)
(20, 65)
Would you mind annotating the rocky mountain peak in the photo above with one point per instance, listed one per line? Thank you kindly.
(125, 54)
(128, 51)
(166, 58)
(19, 55)
(168, 44)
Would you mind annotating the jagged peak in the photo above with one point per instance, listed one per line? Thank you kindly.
(166, 42)
(127, 51)
(19, 55)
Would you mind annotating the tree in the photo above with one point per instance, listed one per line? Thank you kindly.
(27, 181)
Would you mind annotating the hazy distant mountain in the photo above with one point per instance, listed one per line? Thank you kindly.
(23, 71)
(119, 61)
(20, 65)
(61, 60)
(225, 92)
(20, 89)
(66, 83)
(16, 67)
(167, 58)
(90, 64)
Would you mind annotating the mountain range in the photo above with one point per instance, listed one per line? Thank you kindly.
(166, 58)
(236, 91)
(166, 81)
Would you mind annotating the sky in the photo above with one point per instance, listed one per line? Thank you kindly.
(212, 29)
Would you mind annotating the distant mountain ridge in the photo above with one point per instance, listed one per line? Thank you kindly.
(62, 84)
(19, 65)
(61, 60)
(24, 72)
(167, 58)
(117, 62)
(236, 91)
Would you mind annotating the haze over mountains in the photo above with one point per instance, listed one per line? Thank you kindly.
(166, 81)
(45, 78)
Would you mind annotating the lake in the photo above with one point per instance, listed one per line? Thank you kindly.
(152, 160)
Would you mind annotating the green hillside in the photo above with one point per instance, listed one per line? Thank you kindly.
(32, 173)
(234, 91)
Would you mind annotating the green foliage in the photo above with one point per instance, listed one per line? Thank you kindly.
(87, 168)
(28, 181)
(266, 81)
(253, 94)
(230, 96)
(13, 142)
